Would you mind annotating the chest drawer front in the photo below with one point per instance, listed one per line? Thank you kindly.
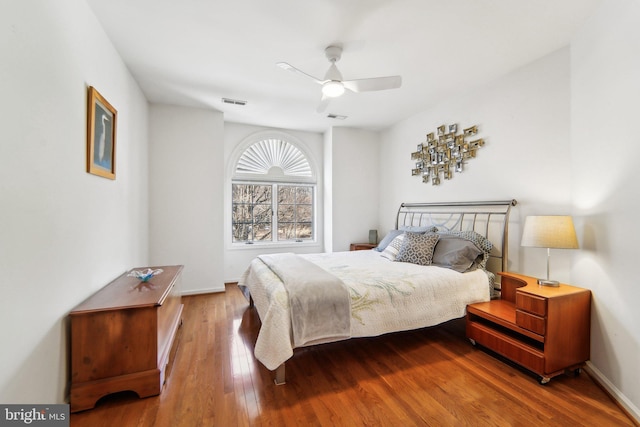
(531, 322)
(507, 346)
(531, 303)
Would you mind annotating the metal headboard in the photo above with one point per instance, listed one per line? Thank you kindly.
(490, 219)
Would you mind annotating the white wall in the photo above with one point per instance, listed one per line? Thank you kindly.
(524, 119)
(236, 138)
(354, 159)
(328, 189)
(606, 148)
(63, 232)
(186, 187)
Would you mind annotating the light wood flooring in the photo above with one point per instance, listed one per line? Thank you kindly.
(429, 377)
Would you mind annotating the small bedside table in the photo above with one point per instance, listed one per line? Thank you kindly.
(544, 329)
(362, 246)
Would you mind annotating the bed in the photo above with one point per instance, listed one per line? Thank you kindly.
(438, 258)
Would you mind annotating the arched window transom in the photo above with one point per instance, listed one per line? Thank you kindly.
(273, 157)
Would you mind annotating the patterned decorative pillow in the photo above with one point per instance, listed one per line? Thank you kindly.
(392, 234)
(392, 249)
(418, 248)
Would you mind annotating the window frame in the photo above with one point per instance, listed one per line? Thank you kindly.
(276, 178)
(274, 225)
(296, 209)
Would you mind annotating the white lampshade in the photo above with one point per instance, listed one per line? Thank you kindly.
(552, 231)
(333, 89)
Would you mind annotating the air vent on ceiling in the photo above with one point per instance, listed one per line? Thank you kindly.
(336, 116)
(234, 101)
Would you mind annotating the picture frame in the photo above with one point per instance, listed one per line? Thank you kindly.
(101, 135)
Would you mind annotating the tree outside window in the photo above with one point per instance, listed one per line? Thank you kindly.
(295, 212)
(251, 212)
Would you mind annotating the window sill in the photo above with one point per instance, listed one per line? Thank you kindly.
(278, 245)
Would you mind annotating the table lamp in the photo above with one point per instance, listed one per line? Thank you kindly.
(552, 231)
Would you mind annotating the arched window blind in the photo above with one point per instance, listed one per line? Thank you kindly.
(274, 155)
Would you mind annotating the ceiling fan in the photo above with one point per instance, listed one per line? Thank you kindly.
(334, 86)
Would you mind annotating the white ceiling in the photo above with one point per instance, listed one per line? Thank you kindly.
(195, 52)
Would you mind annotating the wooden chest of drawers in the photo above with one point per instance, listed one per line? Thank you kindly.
(122, 336)
(544, 329)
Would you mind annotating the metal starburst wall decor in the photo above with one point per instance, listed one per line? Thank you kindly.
(441, 156)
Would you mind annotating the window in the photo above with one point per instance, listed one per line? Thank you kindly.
(273, 194)
(295, 212)
(252, 212)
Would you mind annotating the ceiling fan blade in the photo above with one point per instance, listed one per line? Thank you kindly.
(289, 67)
(324, 102)
(375, 83)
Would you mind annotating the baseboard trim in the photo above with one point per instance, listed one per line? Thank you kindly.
(202, 291)
(628, 407)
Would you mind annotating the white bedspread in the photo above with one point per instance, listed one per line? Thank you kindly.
(386, 296)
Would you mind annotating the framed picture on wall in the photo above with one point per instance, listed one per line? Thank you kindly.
(101, 136)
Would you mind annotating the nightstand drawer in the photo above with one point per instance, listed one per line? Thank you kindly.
(531, 303)
(507, 346)
(531, 322)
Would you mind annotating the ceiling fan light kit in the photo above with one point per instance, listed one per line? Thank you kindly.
(332, 89)
(333, 84)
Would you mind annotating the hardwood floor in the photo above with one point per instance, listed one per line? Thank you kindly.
(430, 377)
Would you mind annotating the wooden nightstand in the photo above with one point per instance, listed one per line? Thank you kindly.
(544, 329)
(361, 246)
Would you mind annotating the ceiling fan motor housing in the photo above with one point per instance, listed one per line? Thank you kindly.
(334, 53)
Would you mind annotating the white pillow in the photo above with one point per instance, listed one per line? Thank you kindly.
(392, 249)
